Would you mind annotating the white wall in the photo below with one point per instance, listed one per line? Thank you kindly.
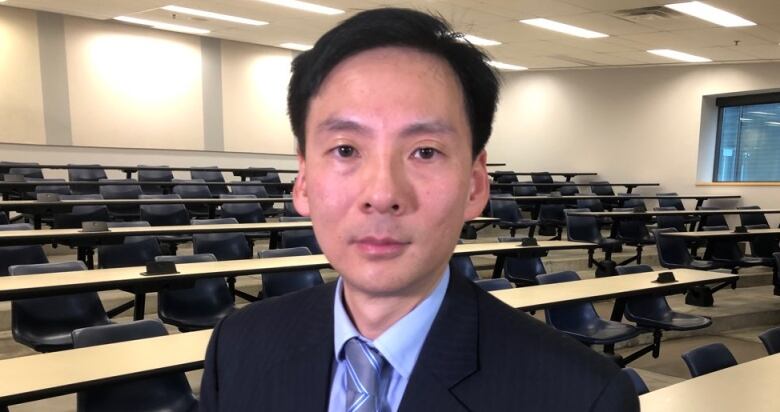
(627, 124)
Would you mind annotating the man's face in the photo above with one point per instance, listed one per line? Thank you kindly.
(388, 177)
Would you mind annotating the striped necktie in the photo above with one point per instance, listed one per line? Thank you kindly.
(368, 376)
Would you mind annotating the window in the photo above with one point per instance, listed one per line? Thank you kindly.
(748, 142)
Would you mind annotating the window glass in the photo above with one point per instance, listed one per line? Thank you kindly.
(748, 148)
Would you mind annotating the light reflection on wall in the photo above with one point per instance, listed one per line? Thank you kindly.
(146, 70)
(270, 75)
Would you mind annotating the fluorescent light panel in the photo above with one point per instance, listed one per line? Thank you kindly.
(215, 16)
(162, 26)
(480, 41)
(506, 66)
(678, 55)
(564, 28)
(305, 6)
(296, 46)
(711, 14)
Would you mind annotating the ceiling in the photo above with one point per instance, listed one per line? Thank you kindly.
(493, 19)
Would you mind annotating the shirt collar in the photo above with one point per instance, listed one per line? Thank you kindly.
(400, 344)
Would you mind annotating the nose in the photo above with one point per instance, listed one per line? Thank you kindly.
(388, 189)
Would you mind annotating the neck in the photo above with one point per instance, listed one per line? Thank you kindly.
(373, 314)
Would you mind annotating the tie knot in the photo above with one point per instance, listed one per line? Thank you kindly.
(367, 376)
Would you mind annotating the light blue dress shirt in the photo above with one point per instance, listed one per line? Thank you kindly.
(400, 344)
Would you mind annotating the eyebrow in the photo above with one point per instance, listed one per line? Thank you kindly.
(336, 124)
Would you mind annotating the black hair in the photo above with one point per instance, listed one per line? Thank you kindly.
(396, 27)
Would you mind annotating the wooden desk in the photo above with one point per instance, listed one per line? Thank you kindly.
(47, 375)
(629, 186)
(648, 214)
(725, 234)
(40, 208)
(129, 170)
(566, 199)
(751, 386)
(567, 175)
(495, 164)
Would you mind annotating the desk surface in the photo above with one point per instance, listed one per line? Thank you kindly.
(498, 172)
(127, 182)
(558, 184)
(45, 375)
(138, 167)
(14, 287)
(51, 374)
(610, 197)
(541, 296)
(723, 233)
(30, 204)
(750, 386)
(676, 212)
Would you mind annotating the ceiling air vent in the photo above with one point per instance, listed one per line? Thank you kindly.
(647, 14)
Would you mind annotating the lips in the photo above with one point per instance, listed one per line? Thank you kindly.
(380, 247)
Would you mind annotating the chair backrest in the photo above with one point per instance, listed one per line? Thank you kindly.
(80, 214)
(19, 255)
(647, 306)
(4, 218)
(154, 175)
(133, 251)
(582, 228)
(639, 385)
(257, 191)
(672, 251)
(463, 266)
(708, 358)
(630, 229)
(298, 238)
(200, 306)
(552, 212)
(164, 214)
(76, 174)
(24, 170)
(196, 191)
(771, 340)
(290, 210)
(273, 190)
(504, 209)
(280, 283)
(543, 177)
(169, 392)
(57, 189)
(524, 190)
(675, 203)
(670, 221)
(713, 220)
(636, 204)
(242, 212)
(753, 220)
(225, 246)
(128, 191)
(41, 323)
(568, 189)
(570, 316)
(493, 284)
(504, 176)
(523, 269)
(211, 176)
(601, 188)
(723, 249)
(594, 205)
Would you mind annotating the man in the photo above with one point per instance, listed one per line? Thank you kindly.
(392, 111)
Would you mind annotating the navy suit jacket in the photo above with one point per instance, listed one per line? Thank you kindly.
(480, 355)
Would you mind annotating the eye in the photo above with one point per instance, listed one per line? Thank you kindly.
(425, 153)
(345, 151)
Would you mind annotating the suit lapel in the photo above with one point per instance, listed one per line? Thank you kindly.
(305, 373)
(449, 354)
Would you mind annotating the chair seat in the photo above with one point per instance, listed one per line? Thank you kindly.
(520, 224)
(49, 340)
(671, 321)
(175, 238)
(705, 265)
(603, 332)
(644, 240)
(610, 244)
(196, 321)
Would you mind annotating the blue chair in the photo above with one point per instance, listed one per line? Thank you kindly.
(552, 220)
(639, 385)
(212, 176)
(568, 189)
(713, 221)
(522, 270)
(771, 340)
(489, 285)
(168, 214)
(201, 306)
(673, 253)
(19, 255)
(55, 187)
(4, 219)
(677, 204)
(259, 192)
(224, 246)
(45, 324)
(753, 220)
(708, 358)
(726, 251)
(463, 266)
(168, 392)
(125, 191)
(633, 232)
(653, 312)
(80, 214)
(92, 174)
(580, 320)
(242, 212)
(524, 191)
(595, 205)
(154, 175)
(274, 189)
(543, 177)
(280, 283)
(27, 170)
(197, 191)
(587, 229)
(508, 213)
(299, 237)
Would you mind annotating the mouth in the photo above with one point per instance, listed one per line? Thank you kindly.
(380, 247)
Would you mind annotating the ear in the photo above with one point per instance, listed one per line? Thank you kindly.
(299, 195)
(479, 188)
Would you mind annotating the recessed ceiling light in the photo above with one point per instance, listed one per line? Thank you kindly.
(564, 28)
(677, 55)
(296, 46)
(305, 6)
(162, 26)
(711, 14)
(480, 41)
(506, 66)
(212, 15)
